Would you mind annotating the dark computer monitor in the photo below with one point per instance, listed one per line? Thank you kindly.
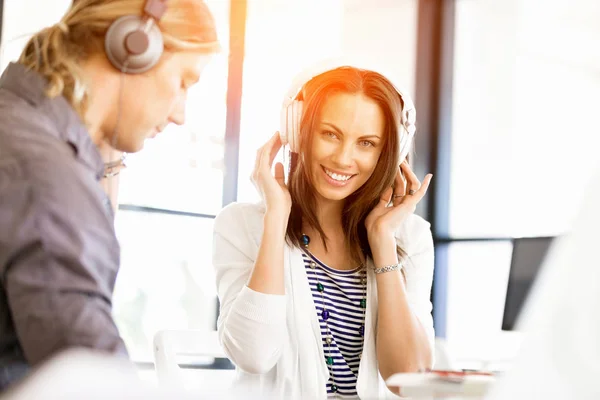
(527, 257)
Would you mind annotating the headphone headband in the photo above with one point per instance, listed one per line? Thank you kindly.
(332, 63)
(155, 9)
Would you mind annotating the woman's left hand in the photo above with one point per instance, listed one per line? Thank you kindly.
(383, 221)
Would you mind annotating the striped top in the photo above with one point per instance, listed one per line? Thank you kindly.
(342, 295)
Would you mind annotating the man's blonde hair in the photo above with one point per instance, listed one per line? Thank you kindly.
(56, 52)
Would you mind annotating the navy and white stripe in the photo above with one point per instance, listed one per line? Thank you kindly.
(342, 295)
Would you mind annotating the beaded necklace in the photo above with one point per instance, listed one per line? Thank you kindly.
(325, 314)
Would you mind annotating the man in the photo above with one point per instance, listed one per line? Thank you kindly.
(93, 80)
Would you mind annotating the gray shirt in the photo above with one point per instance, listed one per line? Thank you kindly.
(59, 255)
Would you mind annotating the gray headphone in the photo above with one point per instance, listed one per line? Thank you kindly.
(134, 44)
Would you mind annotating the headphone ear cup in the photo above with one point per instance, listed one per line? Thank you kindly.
(408, 128)
(291, 125)
(404, 145)
(283, 128)
(294, 119)
(407, 135)
(118, 53)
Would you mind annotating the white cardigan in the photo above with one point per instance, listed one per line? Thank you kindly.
(275, 340)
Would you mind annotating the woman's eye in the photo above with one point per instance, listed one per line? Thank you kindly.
(367, 143)
(330, 134)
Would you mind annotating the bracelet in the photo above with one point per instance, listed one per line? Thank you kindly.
(388, 268)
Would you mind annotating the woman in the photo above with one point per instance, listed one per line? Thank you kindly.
(324, 288)
(107, 76)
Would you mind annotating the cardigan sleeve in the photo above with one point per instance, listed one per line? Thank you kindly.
(251, 325)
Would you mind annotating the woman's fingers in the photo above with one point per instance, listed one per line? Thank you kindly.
(275, 143)
(412, 182)
(279, 175)
(385, 198)
(416, 196)
(399, 187)
(265, 155)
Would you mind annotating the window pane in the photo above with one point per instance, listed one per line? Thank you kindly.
(522, 148)
(166, 279)
(19, 22)
(181, 169)
(279, 45)
(477, 280)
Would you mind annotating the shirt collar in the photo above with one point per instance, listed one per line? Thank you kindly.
(68, 126)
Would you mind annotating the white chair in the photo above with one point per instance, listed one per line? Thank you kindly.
(443, 358)
(86, 374)
(170, 346)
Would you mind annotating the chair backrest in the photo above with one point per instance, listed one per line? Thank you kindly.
(443, 359)
(86, 374)
(171, 345)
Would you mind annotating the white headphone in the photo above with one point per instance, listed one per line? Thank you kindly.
(291, 111)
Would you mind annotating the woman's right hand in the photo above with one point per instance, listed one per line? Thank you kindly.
(272, 188)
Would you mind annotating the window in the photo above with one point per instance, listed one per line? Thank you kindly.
(168, 195)
(19, 23)
(516, 135)
(284, 39)
(477, 283)
(519, 163)
(166, 279)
